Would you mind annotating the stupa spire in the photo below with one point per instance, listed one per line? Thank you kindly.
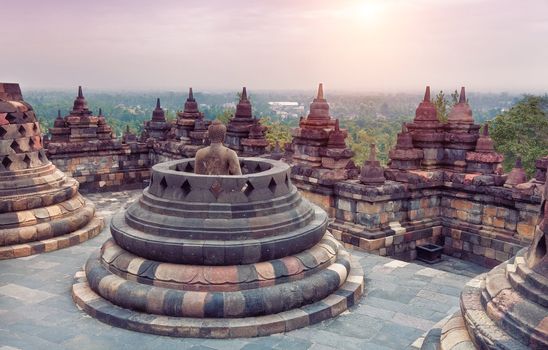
(486, 129)
(462, 97)
(320, 92)
(372, 152)
(158, 103)
(427, 94)
(190, 94)
(80, 94)
(244, 94)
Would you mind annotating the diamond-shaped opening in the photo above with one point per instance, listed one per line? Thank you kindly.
(163, 184)
(216, 188)
(11, 118)
(186, 188)
(2, 131)
(15, 146)
(35, 127)
(6, 162)
(189, 168)
(258, 168)
(41, 156)
(247, 188)
(272, 185)
(286, 180)
(27, 160)
(22, 130)
(31, 143)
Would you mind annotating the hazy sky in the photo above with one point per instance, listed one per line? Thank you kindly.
(360, 45)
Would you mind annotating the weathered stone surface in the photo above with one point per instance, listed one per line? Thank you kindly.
(318, 152)
(40, 207)
(507, 308)
(219, 256)
(242, 126)
(83, 146)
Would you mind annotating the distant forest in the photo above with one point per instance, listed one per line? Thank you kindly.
(373, 118)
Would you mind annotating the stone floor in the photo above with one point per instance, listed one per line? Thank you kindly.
(403, 300)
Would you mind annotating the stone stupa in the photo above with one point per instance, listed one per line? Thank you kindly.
(40, 207)
(219, 256)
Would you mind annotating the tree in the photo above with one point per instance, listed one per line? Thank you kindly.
(276, 132)
(441, 103)
(522, 131)
(225, 115)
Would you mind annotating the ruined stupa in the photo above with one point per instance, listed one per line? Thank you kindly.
(40, 207)
(219, 256)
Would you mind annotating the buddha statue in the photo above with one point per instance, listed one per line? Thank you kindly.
(217, 159)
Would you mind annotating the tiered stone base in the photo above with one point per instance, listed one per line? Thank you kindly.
(505, 308)
(258, 299)
(92, 229)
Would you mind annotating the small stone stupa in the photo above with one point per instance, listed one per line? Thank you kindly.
(40, 207)
(405, 156)
(484, 159)
(240, 124)
(158, 127)
(517, 175)
(428, 133)
(190, 120)
(255, 144)
(461, 134)
(372, 173)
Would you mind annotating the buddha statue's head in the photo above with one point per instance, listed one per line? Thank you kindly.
(216, 131)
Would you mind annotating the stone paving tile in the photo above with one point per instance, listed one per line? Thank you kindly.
(26, 295)
(402, 300)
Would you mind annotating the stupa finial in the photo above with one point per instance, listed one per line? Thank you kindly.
(158, 103)
(244, 94)
(462, 97)
(80, 94)
(320, 92)
(427, 94)
(190, 94)
(372, 152)
(486, 129)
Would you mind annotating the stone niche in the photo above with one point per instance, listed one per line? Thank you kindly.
(219, 257)
(40, 207)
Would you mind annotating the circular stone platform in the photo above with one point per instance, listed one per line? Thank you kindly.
(219, 257)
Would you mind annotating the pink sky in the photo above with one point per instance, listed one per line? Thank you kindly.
(367, 45)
